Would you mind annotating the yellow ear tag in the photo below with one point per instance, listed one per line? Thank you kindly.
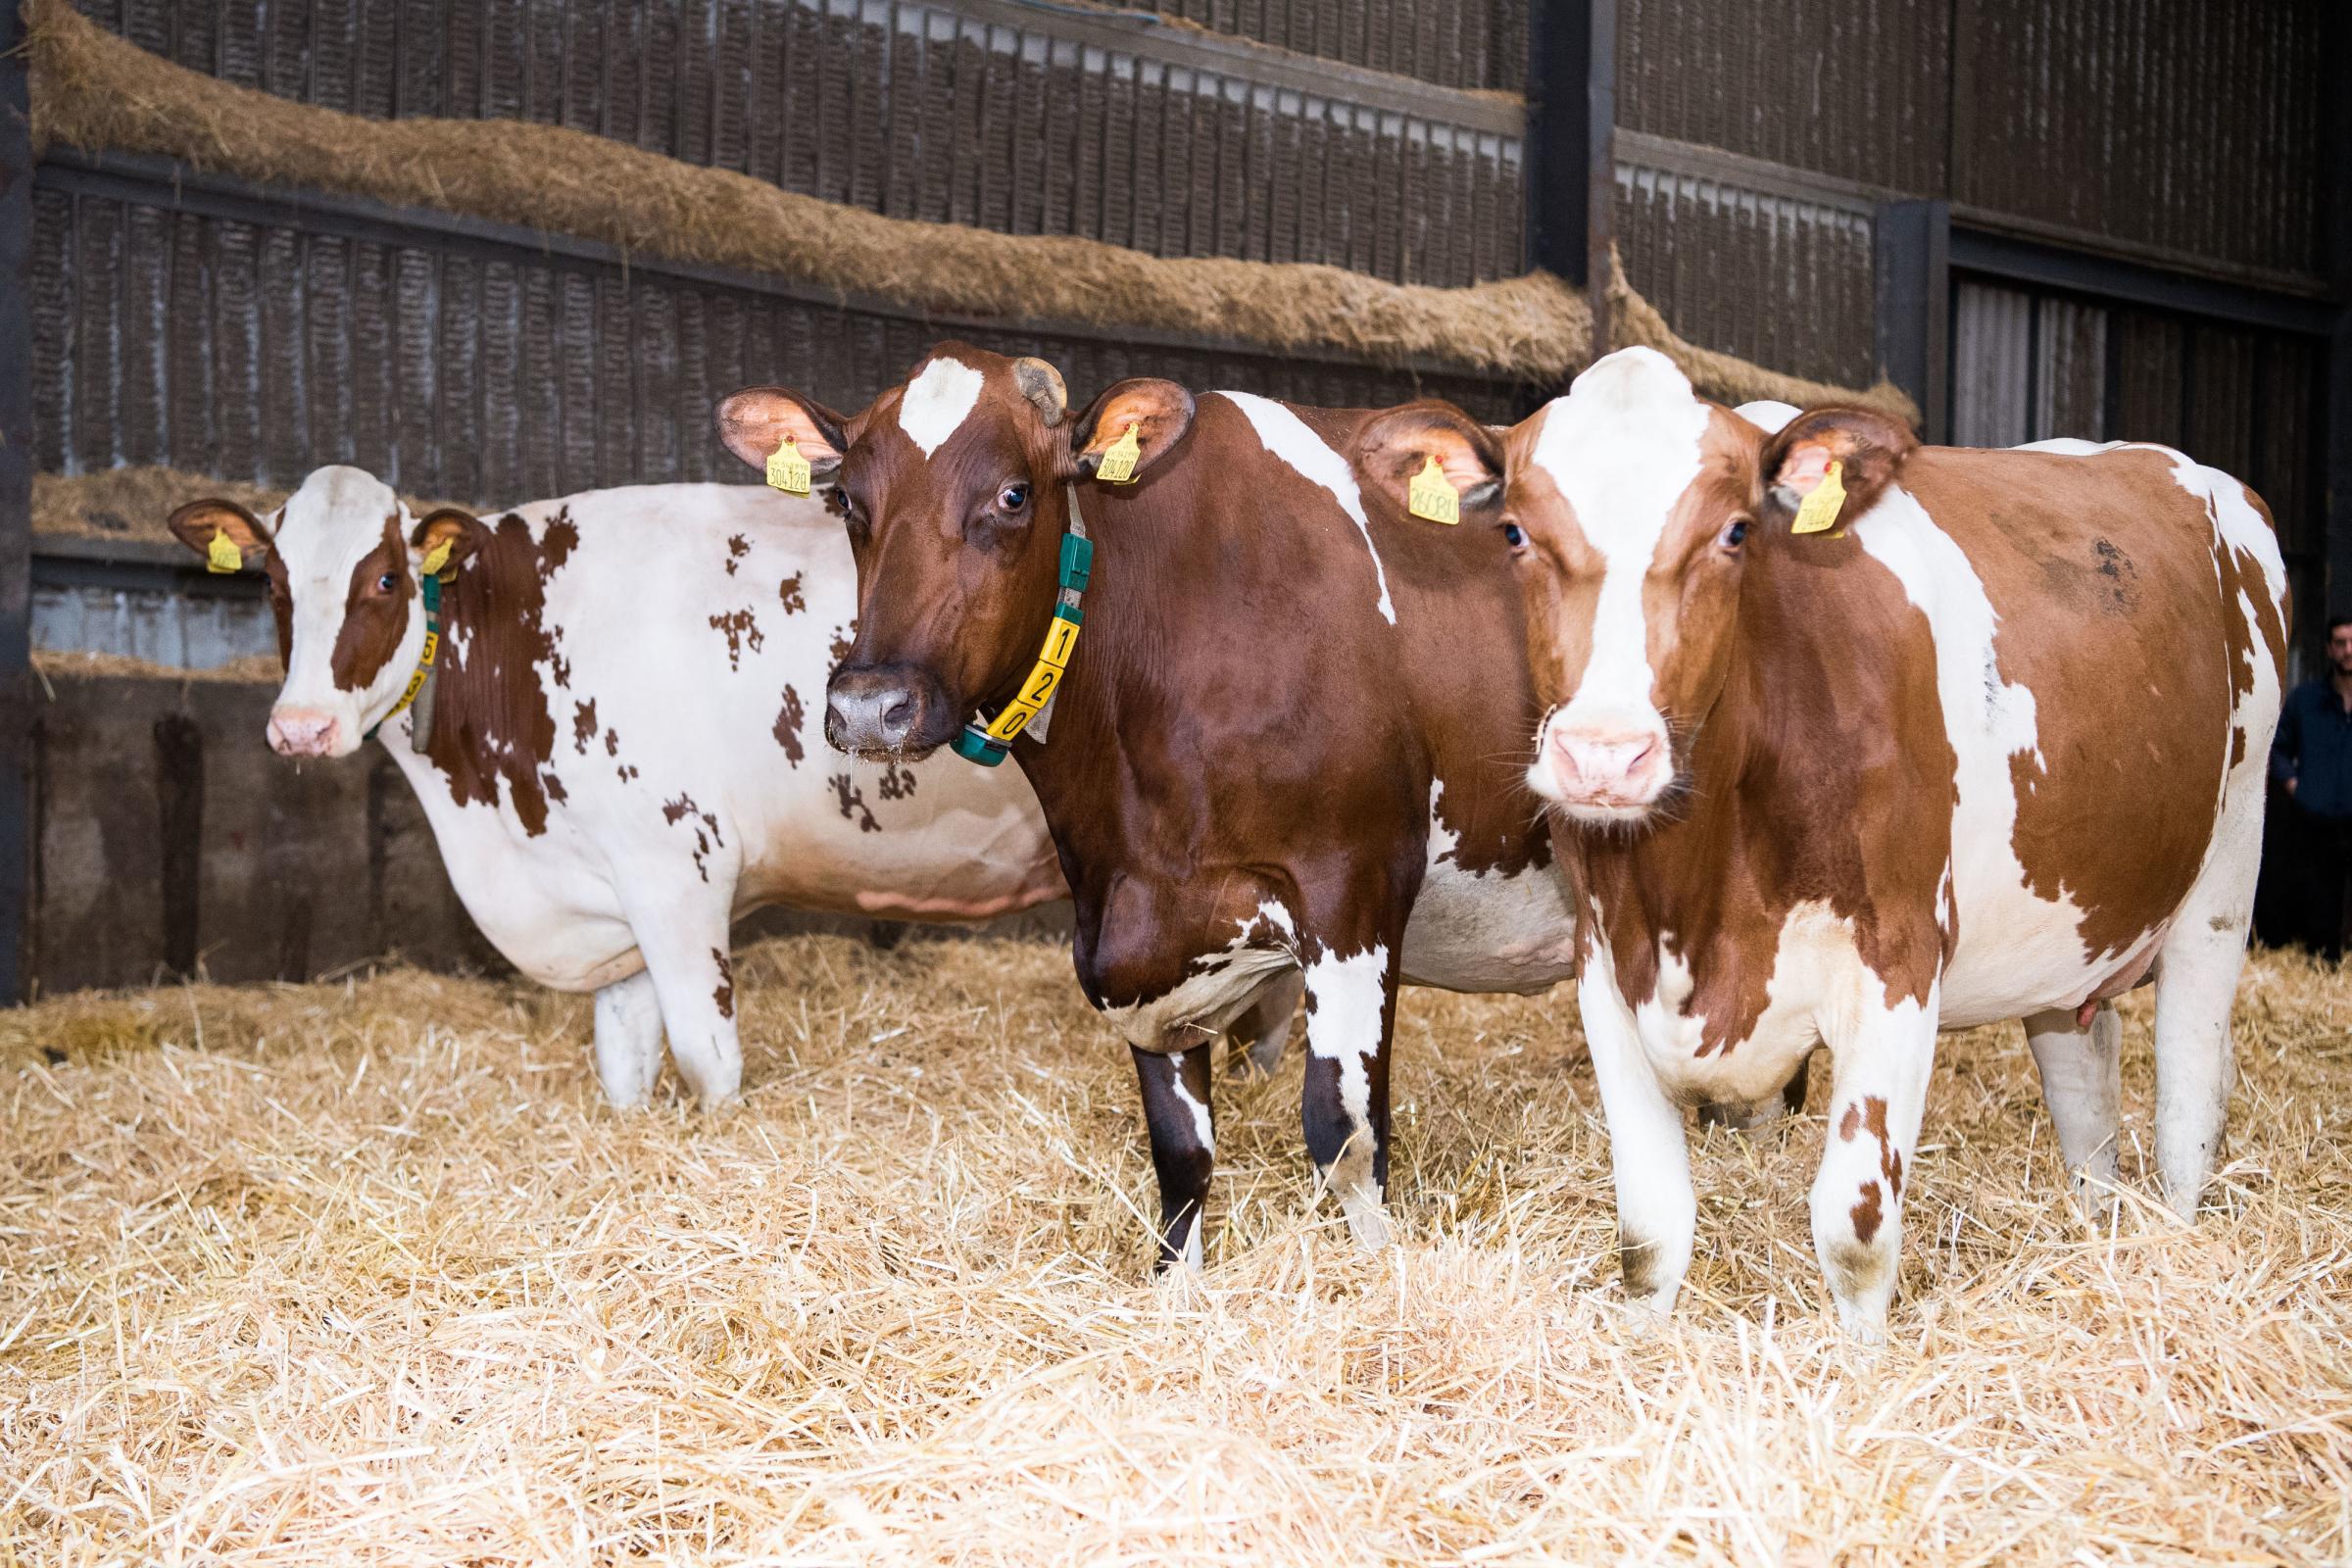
(222, 554)
(1820, 508)
(1432, 495)
(1118, 462)
(435, 561)
(787, 469)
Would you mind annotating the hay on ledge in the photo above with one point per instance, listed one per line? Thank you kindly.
(364, 1273)
(94, 90)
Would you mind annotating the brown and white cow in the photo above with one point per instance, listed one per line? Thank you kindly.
(620, 757)
(1286, 741)
(1991, 746)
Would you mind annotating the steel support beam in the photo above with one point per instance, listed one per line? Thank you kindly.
(1913, 307)
(16, 511)
(1572, 144)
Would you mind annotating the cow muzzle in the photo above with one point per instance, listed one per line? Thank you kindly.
(883, 711)
(305, 732)
(1605, 772)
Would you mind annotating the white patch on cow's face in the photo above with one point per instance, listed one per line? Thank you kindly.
(1288, 437)
(1621, 447)
(937, 401)
(320, 536)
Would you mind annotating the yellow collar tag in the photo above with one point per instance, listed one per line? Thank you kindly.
(787, 469)
(1118, 462)
(1432, 495)
(438, 559)
(222, 554)
(1820, 508)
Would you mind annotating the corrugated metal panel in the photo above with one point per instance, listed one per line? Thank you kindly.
(911, 109)
(1453, 43)
(1857, 90)
(1784, 283)
(2176, 124)
(455, 367)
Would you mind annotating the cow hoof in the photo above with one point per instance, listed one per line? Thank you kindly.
(1862, 1326)
(1367, 1221)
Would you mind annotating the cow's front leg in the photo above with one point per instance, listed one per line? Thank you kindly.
(1649, 1155)
(1183, 1145)
(1882, 1066)
(628, 1039)
(1343, 1104)
(684, 940)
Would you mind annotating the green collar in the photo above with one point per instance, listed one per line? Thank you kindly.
(989, 744)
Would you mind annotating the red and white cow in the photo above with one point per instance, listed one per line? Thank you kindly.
(622, 752)
(1984, 741)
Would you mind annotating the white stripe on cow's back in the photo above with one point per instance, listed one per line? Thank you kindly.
(937, 401)
(1622, 445)
(1289, 438)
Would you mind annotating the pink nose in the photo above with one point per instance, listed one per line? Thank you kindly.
(302, 732)
(1613, 769)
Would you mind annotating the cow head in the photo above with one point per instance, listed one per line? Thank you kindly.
(1635, 510)
(952, 486)
(342, 558)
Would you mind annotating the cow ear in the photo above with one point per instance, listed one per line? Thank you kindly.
(1868, 448)
(756, 421)
(1395, 447)
(1156, 412)
(200, 523)
(462, 531)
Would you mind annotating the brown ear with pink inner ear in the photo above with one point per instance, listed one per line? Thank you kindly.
(201, 526)
(1156, 413)
(1869, 449)
(1395, 446)
(462, 531)
(756, 421)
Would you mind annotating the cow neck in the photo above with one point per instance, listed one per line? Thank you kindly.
(418, 693)
(1032, 704)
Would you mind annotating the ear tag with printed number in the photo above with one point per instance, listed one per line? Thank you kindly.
(1820, 508)
(1118, 462)
(787, 469)
(1432, 495)
(222, 554)
(437, 561)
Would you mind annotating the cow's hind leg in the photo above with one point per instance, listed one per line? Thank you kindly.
(628, 1039)
(1884, 1061)
(2197, 985)
(2083, 1083)
(1184, 1144)
(1265, 1028)
(1343, 1102)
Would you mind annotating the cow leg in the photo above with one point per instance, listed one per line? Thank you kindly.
(1649, 1154)
(685, 948)
(1184, 1144)
(2083, 1084)
(2196, 985)
(1266, 1027)
(1343, 1102)
(1881, 1091)
(628, 1041)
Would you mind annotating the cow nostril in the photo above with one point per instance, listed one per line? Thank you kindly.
(898, 715)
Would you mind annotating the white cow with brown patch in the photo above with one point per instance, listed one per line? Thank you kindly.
(1984, 740)
(617, 747)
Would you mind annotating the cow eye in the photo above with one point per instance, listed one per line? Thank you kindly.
(1512, 536)
(1735, 533)
(1013, 496)
(386, 583)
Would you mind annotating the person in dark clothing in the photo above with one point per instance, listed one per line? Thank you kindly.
(2311, 763)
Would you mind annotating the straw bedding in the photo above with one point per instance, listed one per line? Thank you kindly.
(364, 1273)
(94, 90)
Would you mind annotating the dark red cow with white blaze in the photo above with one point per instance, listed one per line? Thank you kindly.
(1287, 740)
(616, 751)
(1986, 740)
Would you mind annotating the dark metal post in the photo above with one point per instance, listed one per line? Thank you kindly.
(1913, 306)
(16, 508)
(1572, 144)
(2336, 494)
